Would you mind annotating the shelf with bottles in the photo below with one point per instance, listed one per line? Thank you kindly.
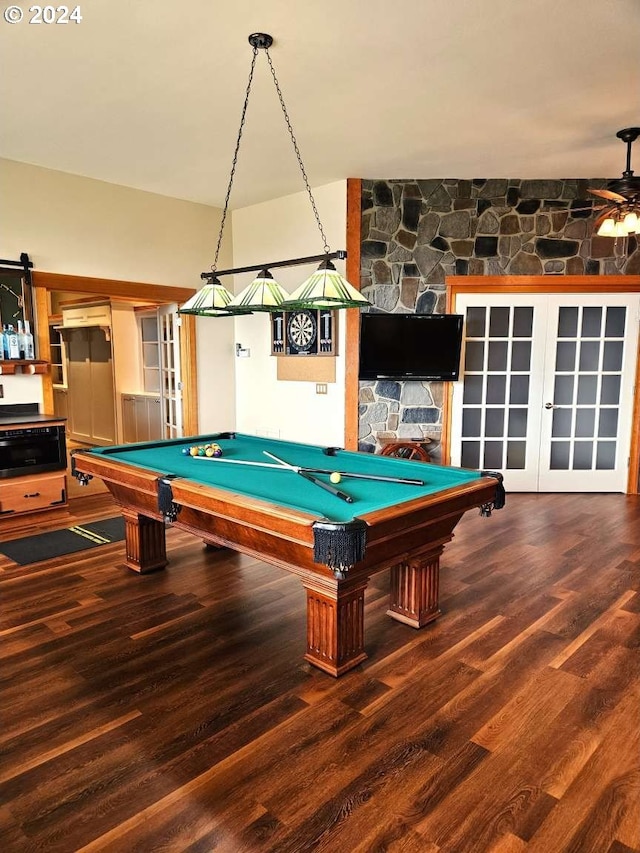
(10, 366)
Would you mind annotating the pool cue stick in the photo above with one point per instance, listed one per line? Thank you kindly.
(240, 462)
(303, 473)
(278, 467)
(354, 476)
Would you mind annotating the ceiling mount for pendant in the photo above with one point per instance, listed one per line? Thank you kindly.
(261, 41)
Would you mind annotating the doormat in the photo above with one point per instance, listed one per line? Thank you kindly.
(46, 546)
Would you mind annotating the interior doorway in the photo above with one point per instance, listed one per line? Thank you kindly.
(546, 394)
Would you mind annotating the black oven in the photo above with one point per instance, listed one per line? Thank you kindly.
(32, 450)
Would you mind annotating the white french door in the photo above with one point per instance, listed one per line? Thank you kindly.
(546, 390)
(170, 377)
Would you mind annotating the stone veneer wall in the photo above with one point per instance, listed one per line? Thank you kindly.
(417, 232)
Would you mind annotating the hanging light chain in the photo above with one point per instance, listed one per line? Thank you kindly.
(214, 266)
(297, 150)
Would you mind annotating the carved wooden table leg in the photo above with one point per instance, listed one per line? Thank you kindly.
(414, 589)
(145, 542)
(335, 627)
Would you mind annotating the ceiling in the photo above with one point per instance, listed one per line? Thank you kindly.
(148, 94)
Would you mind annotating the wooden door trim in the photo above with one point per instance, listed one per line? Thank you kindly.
(352, 334)
(548, 284)
(154, 294)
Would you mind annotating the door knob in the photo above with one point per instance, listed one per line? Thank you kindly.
(550, 406)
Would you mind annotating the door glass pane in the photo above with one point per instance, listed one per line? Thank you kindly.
(608, 426)
(493, 455)
(474, 356)
(589, 355)
(496, 388)
(470, 457)
(614, 325)
(517, 423)
(522, 322)
(472, 392)
(560, 451)
(606, 456)
(587, 390)
(582, 455)
(499, 323)
(494, 423)
(568, 322)
(521, 355)
(563, 391)
(475, 322)
(610, 391)
(472, 422)
(612, 355)
(519, 391)
(561, 427)
(497, 355)
(591, 322)
(585, 423)
(566, 356)
(516, 452)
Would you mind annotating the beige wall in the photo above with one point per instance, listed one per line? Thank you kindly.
(279, 230)
(79, 226)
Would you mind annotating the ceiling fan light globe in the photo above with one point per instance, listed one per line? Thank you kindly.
(607, 228)
(631, 222)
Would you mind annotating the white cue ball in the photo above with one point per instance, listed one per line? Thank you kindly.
(335, 477)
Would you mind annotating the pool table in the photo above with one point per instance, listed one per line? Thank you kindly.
(332, 542)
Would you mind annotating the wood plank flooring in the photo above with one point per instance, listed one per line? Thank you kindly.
(174, 712)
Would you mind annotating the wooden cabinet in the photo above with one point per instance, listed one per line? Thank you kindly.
(20, 495)
(90, 381)
(141, 418)
(102, 359)
(97, 314)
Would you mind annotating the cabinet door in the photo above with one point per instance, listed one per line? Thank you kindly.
(103, 427)
(154, 418)
(127, 406)
(142, 418)
(79, 383)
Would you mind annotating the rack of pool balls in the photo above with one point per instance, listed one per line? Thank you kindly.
(202, 450)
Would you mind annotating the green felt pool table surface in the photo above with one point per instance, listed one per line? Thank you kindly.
(285, 487)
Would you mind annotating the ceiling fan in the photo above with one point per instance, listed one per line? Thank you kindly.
(621, 216)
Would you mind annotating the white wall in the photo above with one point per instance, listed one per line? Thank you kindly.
(279, 230)
(79, 226)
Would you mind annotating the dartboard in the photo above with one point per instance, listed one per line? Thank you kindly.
(302, 330)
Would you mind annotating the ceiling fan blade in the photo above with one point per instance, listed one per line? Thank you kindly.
(608, 194)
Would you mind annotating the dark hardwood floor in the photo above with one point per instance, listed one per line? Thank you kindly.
(174, 712)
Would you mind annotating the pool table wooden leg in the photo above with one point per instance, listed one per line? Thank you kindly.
(335, 627)
(145, 542)
(414, 589)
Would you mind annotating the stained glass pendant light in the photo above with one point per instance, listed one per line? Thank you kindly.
(325, 288)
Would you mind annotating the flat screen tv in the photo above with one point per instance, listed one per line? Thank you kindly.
(410, 346)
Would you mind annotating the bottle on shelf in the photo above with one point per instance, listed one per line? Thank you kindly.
(14, 348)
(5, 341)
(21, 339)
(29, 348)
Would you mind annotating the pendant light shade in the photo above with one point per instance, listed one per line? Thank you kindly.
(212, 300)
(263, 294)
(325, 288)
